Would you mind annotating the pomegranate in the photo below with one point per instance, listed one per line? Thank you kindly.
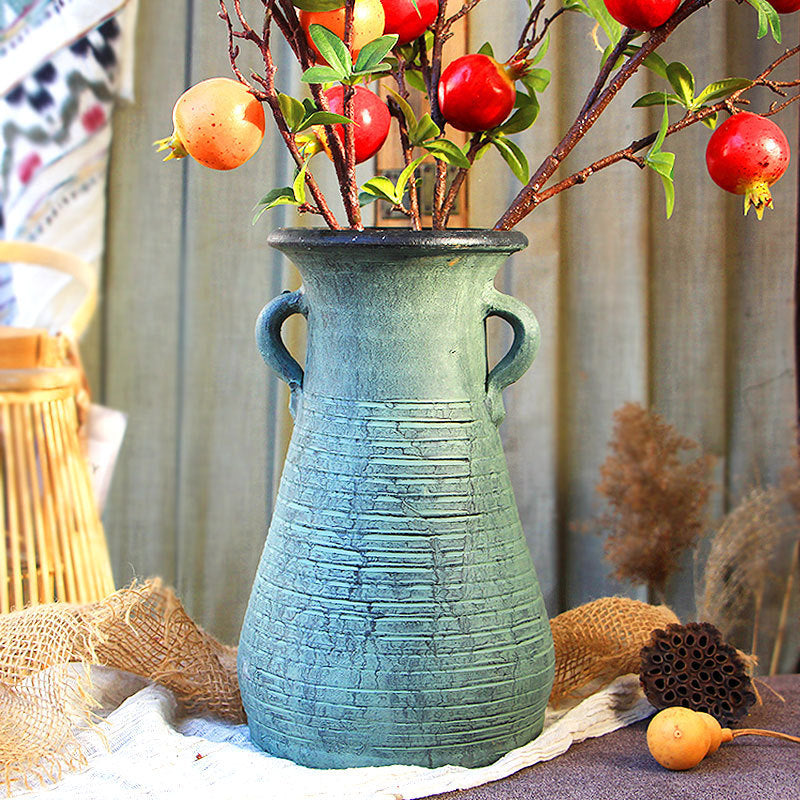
(785, 6)
(746, 154)
(371, 120)
(642, 15)
(368, 22)
(406, 21)
(218, 122)
(476, 93)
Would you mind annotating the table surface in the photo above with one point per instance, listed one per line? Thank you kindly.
(618, 766)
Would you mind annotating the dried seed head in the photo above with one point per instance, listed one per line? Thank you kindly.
(689, 665)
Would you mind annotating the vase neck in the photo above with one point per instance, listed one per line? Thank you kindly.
(387, 324)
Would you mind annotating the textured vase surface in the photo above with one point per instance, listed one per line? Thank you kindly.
(396, 616)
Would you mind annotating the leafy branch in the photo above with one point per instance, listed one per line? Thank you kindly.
(702, 114)
(269, 94)
(418, 64)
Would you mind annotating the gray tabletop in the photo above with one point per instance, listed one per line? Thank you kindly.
(618, 766)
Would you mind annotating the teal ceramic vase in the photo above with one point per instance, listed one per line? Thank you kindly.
(396, 617)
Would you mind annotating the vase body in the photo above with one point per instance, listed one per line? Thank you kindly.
(396, 615)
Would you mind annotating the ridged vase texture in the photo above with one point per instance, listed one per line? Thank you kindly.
(395, 617)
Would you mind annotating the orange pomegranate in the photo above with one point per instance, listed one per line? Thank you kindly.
(218, 122)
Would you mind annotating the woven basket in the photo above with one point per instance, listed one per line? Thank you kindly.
(55, 548)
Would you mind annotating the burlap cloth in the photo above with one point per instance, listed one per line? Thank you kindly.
(46, 703)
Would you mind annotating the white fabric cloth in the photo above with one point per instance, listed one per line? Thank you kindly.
(150, 753)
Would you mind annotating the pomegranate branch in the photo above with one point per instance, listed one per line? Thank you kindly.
(690, 118)
(434, 74)
(530, 37)
(270, 96)
(408, 156)
(524, 203)
(476, 143)
(351, 190)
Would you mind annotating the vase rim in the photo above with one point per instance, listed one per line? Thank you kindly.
(481, 239)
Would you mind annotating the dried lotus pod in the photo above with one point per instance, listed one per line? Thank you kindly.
(689, 665)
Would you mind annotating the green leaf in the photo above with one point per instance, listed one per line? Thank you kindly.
(513, 156)
(323, 118)
(653, 62)
(710, 122)
(656, 99)
(542, 51)
(486, 49)
(447, 151)
(536, 79)
(405, 107)
(321, 75)
(425, 129)
(317, 5)
(523, 117)
(662, 134)
(723, 88)
(364, 198)
(611, 28)
(405, 175)
(277, 197)
(682, 81)
(768, 20)
(384, 66)
(299, 185)
(374, 52)
(669, 194)
(381, 187)
(332, 49)
(663, 163)
(415, 80)
(293, 111)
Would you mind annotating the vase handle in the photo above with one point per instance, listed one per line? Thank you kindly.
(270, 343)
(513, 365)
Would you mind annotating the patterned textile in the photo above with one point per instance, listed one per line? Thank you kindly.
(63, 63)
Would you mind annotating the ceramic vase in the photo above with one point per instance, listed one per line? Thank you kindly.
(396, 617)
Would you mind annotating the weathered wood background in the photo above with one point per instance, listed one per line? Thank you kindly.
(693, 316)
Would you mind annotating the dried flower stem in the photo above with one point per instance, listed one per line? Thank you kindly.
(787, 594)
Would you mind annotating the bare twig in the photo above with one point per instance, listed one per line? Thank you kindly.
(435, 69)
(530, 24)
(467, 6)
(531, 36)
(350, 190)
(440, 182)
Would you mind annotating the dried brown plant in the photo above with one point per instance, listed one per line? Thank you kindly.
(656, 497)
(738, 562)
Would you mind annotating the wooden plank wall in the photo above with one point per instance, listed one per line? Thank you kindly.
(693, 316)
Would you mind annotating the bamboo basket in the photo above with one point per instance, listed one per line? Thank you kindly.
(55, 547)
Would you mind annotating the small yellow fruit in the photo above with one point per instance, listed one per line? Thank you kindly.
(714, 729)
(678, 738)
